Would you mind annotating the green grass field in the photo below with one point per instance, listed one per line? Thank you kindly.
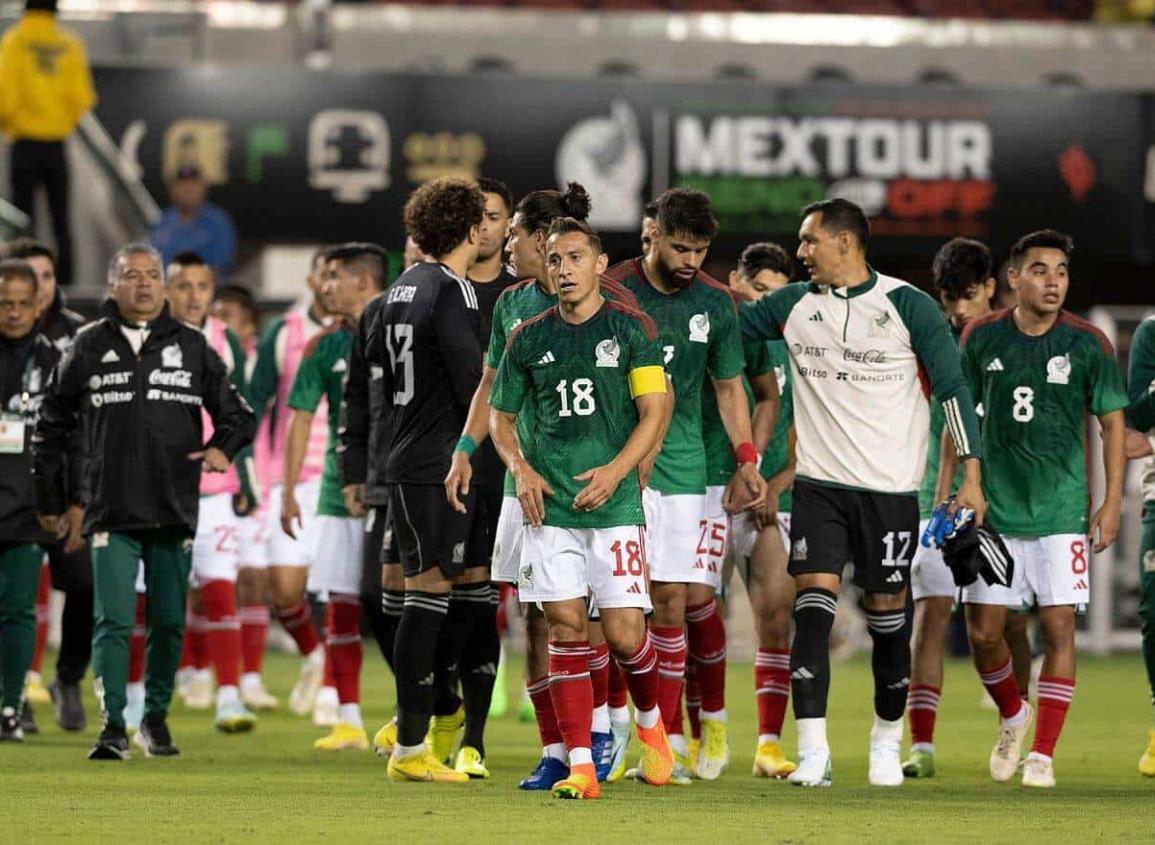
(272, 787)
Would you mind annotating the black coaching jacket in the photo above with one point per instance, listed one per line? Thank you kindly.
(142, 416)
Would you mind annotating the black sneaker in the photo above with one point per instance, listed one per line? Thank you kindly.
(10, 730)
(28, 720)
(154, 737)
(69, 705)
(112, 744)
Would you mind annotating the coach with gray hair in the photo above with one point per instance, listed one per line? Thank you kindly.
(135, 382)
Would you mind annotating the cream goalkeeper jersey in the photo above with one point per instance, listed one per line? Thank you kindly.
(865, 360)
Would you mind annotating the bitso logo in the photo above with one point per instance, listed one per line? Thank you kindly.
(608, 352)
(606, 155)
(700, 328)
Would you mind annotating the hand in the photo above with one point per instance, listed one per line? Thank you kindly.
(290, 511)
(1137, 445)
(54, 524)
(531, 492)
(603, 481)
(457, 481)
(1105, 524)
(646, 470)
(243, 505)
(749, 488)
(767, 515)
(213, 459)
(354, 495)
(735, 496)
(74, 521)
(970, 495)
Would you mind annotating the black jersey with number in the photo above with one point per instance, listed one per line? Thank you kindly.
(488, 468)
(425, 338)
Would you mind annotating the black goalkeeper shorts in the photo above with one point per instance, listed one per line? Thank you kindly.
(428, 531)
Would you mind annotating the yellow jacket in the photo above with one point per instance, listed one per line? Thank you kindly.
(45, 84)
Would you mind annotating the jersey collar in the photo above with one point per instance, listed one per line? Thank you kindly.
(858, 290)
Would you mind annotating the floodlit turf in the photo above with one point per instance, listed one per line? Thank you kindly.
(272, 787)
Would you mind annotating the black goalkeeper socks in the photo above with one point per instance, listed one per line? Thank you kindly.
(418, 635)
(814, 610)
(890, 661)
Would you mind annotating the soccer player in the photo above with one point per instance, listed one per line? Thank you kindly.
(225, 497)
(356, 273)
(138, 376)
(592, 373)
(700, 337)
(27, 359)
(425, 337)
(860, 345)
(760, 540)
(286, 558)
(1141, 417)
(1037, 371)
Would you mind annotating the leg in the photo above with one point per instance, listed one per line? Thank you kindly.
(25, 176)
(372, 604)
(572, 692)
(706, 639)
(667, 630)
(344, 653)
(392, 595)
(1057, 682)
(931, 620)
(55, 177)
(72, 574)
(19, 579)
(167, 561)
(1018, 637)
(479, 670)
(115, 559)
(43, 596)
(253, 612)
(1147, 622)
(992, 657)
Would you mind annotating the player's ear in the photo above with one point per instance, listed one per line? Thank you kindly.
(474, 234)
(602, 263)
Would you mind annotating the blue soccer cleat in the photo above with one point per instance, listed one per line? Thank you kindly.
(602, 748)
(549, 771)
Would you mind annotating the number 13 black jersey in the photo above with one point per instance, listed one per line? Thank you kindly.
(425, 338)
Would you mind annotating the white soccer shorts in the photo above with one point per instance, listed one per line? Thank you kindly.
(283, 550)
(216, 546)
(674, 530)
(507, 543)
(337, 566)
(606, 565)
(1050, 570)
(744, 534)
(254, 536)
(714, 536)
(930, 577)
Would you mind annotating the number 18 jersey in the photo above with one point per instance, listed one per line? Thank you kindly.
(578, 382)
(1034, 394)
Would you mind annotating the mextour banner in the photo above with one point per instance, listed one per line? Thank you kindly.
(314, 156)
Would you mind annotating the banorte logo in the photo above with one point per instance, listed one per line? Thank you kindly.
(915, 176)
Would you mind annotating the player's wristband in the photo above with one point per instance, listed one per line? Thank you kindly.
(466, 444)
(746, 453)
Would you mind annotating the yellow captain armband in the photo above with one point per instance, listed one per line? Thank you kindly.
(645, 380)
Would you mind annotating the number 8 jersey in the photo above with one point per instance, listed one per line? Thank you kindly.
(579, 382)
(1033, 395)
(425, 337)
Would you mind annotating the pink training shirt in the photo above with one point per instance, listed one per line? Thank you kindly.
(215, 483)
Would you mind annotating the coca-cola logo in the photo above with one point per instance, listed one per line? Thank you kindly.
(865, 356)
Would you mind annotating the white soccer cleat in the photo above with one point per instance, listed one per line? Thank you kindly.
(1005, 754)
(199, 691)
(814, 769)
(885, 764)
(326, 708)
(1039, 772)
(256, 697)
(304, 692)
(714, 754)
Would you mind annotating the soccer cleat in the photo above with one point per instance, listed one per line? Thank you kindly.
(258, 698)
(885, 767)
(771, 762)
(235, 718)
(657, 764)
(621, 732)
(133, 713)
(814, 769)
(1005, 755)
(919, 765)
(198, 693)
(154, 737)
(549, 771)
(1147, 761)
(28, 720)
(10, 730)
(525, 711)
(693, 749)
(69, 705)
(34, 689)
(343, 736)
(581, 783)
(424, 768)
(112, 744)
(386, 738)
(1039, 772)
(714, 756)
(499, 703)
(443, 733)
(308, 682)
(602, 746)
(469, 762)
(326, 709)
(181, 681)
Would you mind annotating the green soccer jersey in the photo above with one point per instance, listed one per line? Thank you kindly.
(322, 373)
(699, 338)
(720, 464)
(926, 502)
(1034, 394)
(777, 452)
(578, 382)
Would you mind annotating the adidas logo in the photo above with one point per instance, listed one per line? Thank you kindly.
(995, 366)
(905, 682)
(110, 357)
(1081, 584)
(547, 358)
(894, 578)
(802, 674)
(634, 588)
(816, 317)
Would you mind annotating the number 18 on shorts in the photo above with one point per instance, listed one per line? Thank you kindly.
(605, 564)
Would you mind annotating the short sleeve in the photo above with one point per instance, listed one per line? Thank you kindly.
(758, 361)
(724, 357)
(309, 384)
(766, 318)
(511, 387)
(497, 335)
(1107, 393)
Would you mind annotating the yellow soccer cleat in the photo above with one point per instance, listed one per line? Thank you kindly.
(714, 754)
(582, 784)
(657, 764)
(1147, 761)
(443, 733)
(469, 762)
(423, 767)
(771, 762)
(694, 749)
(386, 738)
(343, 736)
(34, 690)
